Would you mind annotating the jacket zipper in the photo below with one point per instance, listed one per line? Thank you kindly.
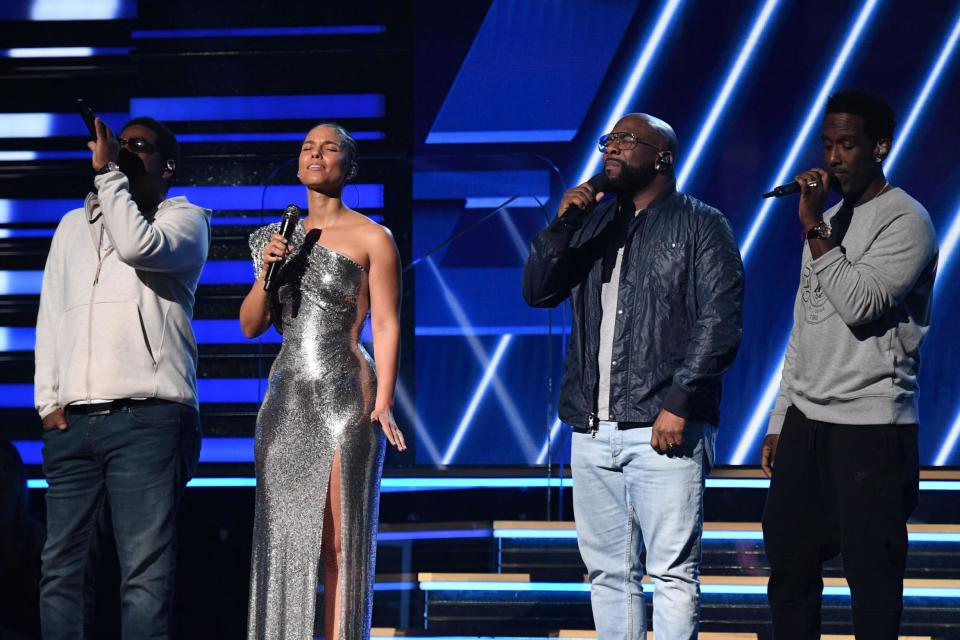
(93, 295)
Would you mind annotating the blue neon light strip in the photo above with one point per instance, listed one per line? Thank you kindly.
(61, 11)
(47, 125)
(223, 198)
(22, 156)
(266, 136)
(261, 32)
(632, 85)
(933, 77)
(714, 534)
(761, 413)
(720, 102)
(312, 107)
(63, 52)
(451, 534)
(721, 589)
(813, 114)
(499, 137)
(30, 452)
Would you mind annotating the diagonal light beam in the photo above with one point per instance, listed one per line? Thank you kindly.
(478, 394)
(628, 94)
(933, 77)
(946, 247)
(813, 114)
(423, 433)
(514, 419)
(554, 430)
(720, 102)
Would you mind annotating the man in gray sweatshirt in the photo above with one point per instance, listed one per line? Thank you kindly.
(841, 445)
(115, 380)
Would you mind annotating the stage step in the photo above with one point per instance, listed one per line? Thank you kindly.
(496, 604)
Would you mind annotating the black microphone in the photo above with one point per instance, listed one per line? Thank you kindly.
(787, 189)
(291, 216)
(599, 182)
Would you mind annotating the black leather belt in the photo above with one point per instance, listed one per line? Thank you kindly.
(105, 408)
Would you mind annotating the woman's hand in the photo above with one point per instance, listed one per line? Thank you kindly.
(390, 428)
(276, 250)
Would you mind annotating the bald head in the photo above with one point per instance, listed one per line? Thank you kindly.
(664, 133)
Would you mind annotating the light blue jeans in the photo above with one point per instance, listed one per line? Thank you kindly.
(626, 496)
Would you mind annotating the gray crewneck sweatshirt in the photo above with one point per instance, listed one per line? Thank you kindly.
(861, 313)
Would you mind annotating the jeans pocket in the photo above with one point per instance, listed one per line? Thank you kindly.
(156, 415)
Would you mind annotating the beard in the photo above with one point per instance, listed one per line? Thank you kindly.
(632, 179)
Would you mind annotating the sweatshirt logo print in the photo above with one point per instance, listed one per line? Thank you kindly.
(816, 307)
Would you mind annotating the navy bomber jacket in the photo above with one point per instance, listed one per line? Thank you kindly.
(681, 289)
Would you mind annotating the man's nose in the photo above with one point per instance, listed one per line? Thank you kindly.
(833, 157)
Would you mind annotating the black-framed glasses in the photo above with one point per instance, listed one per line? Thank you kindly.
(622, 140)
(137, 145)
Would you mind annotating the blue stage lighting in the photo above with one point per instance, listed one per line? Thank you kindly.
(554, 430)
(47, 125)
(920, 101)
(423, 435)
(478, 394)
(947, 448)
(515, 421)
(64, 52)
(260, 32)
(500, 137)
(813, 114)
(720, 102)
(312, 107)
(761, 414)
(67, 10)
(629, 92)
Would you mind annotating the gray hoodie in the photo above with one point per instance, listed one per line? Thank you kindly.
(861, 312)
(117, 301)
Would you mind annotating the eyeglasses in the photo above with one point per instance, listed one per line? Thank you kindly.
(623, 140)
(137, 145)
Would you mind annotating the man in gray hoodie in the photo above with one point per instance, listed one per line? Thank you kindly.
(842, 439)
(115, 380)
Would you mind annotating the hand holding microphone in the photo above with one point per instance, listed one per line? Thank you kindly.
(279, 247)
(577, 203)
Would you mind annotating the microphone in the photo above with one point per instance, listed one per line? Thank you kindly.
(291, 216)
(599, 182)
(787, 189)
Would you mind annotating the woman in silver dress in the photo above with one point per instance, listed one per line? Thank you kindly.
(319, 442)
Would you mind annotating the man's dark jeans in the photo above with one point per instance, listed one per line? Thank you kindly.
(138, 459)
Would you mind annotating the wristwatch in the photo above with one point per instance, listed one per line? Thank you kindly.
(107, 168)
(820, 230)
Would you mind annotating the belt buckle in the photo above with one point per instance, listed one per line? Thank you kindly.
(101, 412)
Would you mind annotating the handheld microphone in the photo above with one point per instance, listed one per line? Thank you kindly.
(787, 189)
(291, 216)
(599, 182)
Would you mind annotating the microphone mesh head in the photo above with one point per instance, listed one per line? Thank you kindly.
(600, 182)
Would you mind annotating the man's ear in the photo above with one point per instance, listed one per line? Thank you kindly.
(882, 149)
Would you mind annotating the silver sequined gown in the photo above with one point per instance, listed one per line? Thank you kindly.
(319, 400)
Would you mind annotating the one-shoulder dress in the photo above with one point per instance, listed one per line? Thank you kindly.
(321, 392)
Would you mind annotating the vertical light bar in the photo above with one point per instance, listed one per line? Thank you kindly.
(478, 394)
(921, 100)
(628, 94)
(815, 112)
(733, 78)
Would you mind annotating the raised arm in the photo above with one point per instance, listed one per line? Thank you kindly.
(255, 315)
